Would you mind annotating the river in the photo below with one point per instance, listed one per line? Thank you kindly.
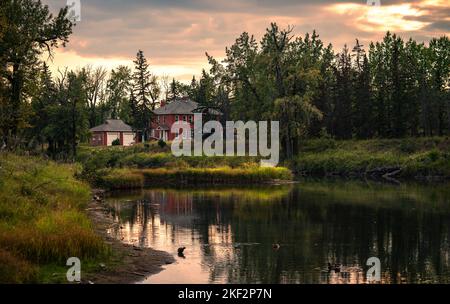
(229, 232)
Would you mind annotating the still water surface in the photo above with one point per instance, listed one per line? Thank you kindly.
(229, 232)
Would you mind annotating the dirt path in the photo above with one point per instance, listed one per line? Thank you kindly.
(129, 264)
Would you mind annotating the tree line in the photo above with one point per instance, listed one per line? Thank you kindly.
(392, 88)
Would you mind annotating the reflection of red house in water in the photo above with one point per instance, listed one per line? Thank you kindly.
(174, 208)
(182, 109)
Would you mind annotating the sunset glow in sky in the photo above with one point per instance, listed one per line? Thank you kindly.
(175, 34)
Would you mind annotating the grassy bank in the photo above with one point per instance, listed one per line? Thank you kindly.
(126, 178)
(42, 222)
(132, 167)
(224, 175)
(120, 179)
(152, 156)
(414, 158)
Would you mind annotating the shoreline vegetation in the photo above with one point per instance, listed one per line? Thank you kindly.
(42, 221)
(115, 168)
(46, 211)
(123, 179)
(391, 160)
(47, 216)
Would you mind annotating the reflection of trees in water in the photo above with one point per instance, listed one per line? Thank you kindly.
(313, 228)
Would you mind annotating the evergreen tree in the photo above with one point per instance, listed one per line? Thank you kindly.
(146, 92)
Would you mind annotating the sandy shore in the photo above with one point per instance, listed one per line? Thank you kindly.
(129, 264)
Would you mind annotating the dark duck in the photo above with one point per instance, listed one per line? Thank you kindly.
(181, 251)
(335, 267)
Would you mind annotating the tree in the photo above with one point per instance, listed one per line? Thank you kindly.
(95, 88)
(177, 90)
(146, 92)
(440, 79)
(30, 32)
(43, 98)
(118, 89)
(363, 109)
(342, 123)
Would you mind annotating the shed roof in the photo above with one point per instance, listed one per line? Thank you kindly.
(113, 125)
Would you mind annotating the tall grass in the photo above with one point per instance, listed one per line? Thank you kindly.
(14, 269)
(41, 215)
(120, 179)
(224, 175)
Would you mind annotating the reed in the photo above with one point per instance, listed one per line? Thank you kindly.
(224, 175)
(120, 179)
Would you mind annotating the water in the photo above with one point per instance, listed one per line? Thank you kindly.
(229, 232)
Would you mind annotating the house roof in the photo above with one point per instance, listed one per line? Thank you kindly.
(181, 106)
(113, 125)
(163, 127)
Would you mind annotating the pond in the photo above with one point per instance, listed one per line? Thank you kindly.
(229, 232)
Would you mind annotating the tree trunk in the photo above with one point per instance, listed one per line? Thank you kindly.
(16, 89)
(74, 131)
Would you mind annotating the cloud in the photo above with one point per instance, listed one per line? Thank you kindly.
(175, 34)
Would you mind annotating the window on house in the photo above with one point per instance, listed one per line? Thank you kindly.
(177, 118)
(190, 118)
(184, 117)
(157, 119)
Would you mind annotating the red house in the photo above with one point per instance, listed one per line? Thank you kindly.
(111, 130)
(182, 109)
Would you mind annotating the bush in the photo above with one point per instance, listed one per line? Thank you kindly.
(116, 142)
(146, 160)
(162, 144)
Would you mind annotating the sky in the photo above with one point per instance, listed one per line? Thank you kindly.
(175, 34)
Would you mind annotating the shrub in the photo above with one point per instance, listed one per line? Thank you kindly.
(116, 142)
(146, 160)
(162, 143)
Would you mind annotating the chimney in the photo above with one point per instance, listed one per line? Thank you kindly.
(163, 103)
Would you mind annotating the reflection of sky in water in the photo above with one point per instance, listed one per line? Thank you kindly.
(228, 233)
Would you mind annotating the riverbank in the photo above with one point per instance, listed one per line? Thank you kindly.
(116, 168)
(390, 159)
(42, 221)
(128, 264)
(386, 159)
(122, 179)
(47, 216)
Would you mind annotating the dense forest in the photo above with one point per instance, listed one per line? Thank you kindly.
(392, 88)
